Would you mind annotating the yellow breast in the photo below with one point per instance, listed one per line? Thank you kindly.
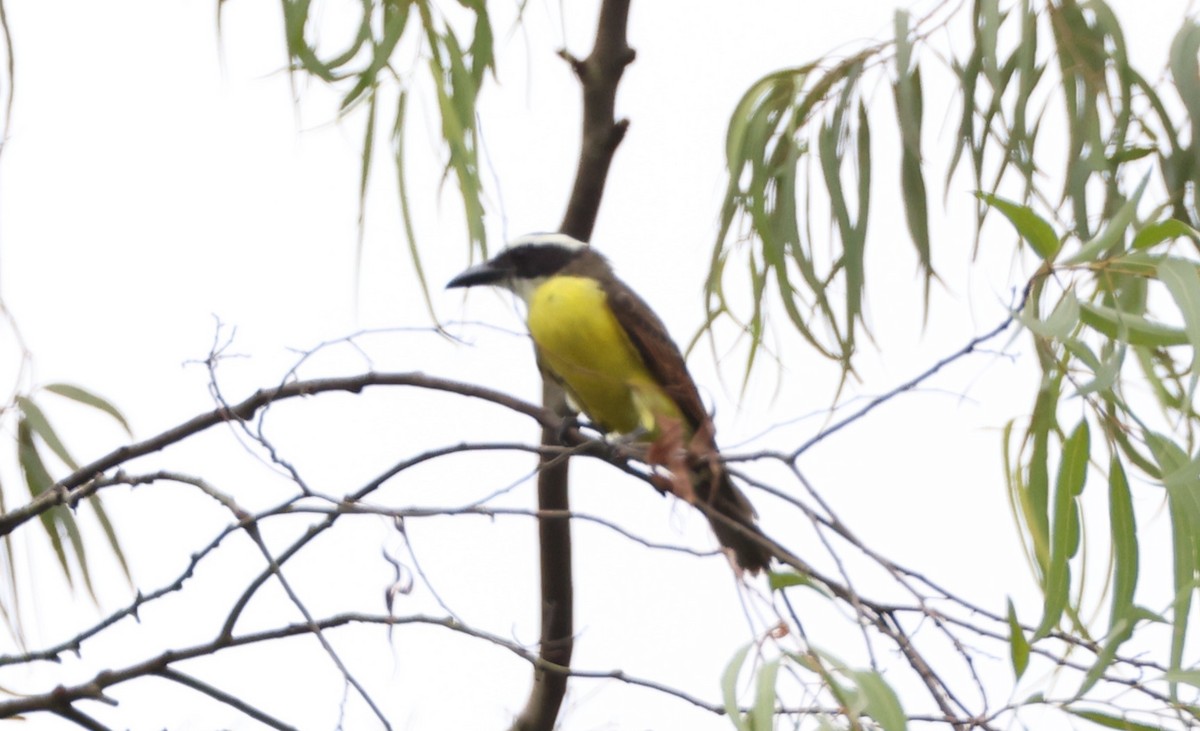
(581, 340)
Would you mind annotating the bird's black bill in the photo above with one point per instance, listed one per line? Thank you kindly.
(484, 273)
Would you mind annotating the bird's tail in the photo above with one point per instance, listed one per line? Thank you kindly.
(732, 518)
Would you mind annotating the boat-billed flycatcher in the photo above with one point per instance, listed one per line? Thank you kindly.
(618, 365)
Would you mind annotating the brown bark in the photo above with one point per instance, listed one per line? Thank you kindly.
(599, 74)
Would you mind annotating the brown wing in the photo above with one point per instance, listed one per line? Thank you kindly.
(726, 507)
(658, 351)
(728, 510)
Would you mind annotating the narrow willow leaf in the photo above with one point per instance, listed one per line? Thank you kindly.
(1183, 283)
(37, 422)
(462, 82)
(1059, 324)
(1018, 646)
(761, 100)
(1105, 372)
(1189, 677)
(1035, 502)
(1080, 350)
(66, 519)
(1131, 292)
(364, 177)
(987, 16)
(1120, 632)
(1064, 537)
(1107, 721)
(295, 16)
(395, 20)
(762, 716)
(1185, 72)
(777, 580)
(1133, 329)
(1105, 242)
(909, 102)
(1032, 228)
(900, 25)
(110, 534)
(1081, 61)
(482, 55)
(1148, 361)
(406, 216)
(1140, 265)
(729, 679)
(1155, 233)
(1129, 154)
(38, 481)
(912, 181)
(863, 150)
(968, 79)
(1181, 482)
(87, 398)
(882, 703)
(37, 477)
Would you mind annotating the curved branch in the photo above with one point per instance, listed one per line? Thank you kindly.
(82, 483)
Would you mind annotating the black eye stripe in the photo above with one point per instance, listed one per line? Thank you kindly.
(535, 260)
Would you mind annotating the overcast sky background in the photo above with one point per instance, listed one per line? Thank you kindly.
(158, 179)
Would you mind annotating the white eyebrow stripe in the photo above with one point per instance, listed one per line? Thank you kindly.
(547, 239)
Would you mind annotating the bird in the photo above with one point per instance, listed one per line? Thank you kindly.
(618, 365)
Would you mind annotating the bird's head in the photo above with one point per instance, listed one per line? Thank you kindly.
(525, 263)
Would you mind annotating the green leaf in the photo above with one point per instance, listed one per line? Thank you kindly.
(67, 521)
(1140, 264)
(1189, 677)
(38, 481)
(1114, 233)
(1031, 227)
(729, 679)
(1121, 631)
(1064, 538)
(110, 533)
(882, 703)
(1059, 324)
(1018, 646)
(1123, 528)
(1107, 721)
(1133, 329)
(777, 580)
(762, 716)
(1155, 233)
(1183, 283)
(1186, 75)
(37, 421)
(909, 111)
(1105, 373)
(406, 216)
(87, 398)
(1182, 483)
(1035, 501)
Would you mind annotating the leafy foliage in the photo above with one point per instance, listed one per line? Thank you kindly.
(364, 71)
(35, 437)
(1111, 294)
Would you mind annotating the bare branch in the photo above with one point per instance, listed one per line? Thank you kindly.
(81, 483)
(223, 697)
(599, 74)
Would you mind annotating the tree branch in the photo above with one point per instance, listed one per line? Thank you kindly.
(599, 74)
(82, 483)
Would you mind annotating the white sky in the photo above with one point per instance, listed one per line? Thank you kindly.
(156, 178)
